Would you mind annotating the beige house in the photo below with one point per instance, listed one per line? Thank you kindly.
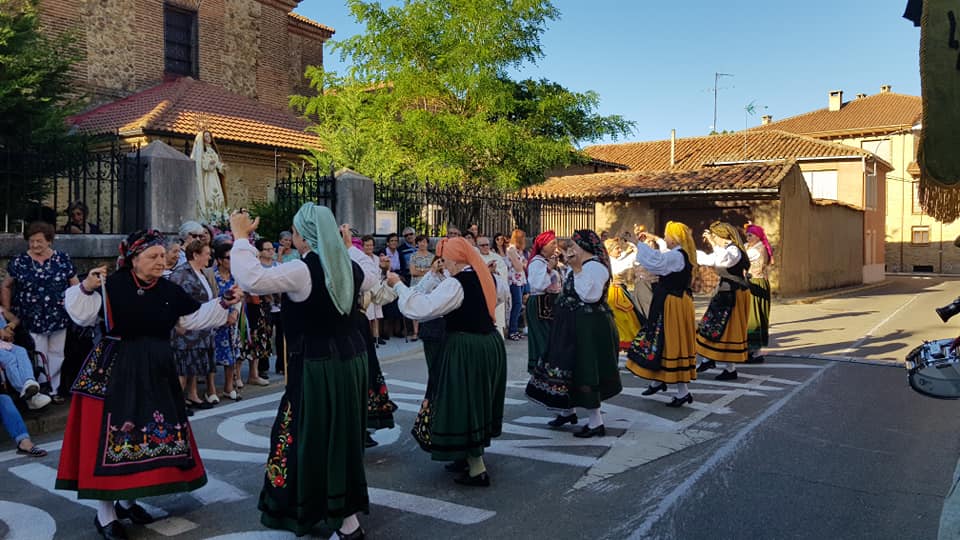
(818, 243)
(833, 172)
(164, 70)
(888, 125)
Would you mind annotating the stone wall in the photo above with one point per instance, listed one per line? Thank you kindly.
(241, 46)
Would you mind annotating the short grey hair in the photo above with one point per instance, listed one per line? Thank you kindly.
(286, 234)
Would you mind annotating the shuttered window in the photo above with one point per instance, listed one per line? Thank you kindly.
(180, 41)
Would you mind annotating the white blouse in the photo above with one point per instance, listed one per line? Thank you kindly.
(371, 272)
(291, 277)
(539, 276)
(418, 305)
(720, 258)
(84, 309)
(659, 263)
(590, 280)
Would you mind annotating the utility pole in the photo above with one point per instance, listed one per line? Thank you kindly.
(716, 83)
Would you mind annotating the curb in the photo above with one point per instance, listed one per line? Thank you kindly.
(831, 293)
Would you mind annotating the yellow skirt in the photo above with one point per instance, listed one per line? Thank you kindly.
(624, 315)
(731, 346)
(678, 362)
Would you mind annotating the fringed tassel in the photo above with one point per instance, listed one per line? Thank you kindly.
(939, 202)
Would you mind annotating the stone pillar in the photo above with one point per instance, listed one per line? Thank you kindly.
(170, 187)
(355, 200)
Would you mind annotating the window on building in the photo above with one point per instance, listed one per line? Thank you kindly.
(870, 192)
(878, 147)
(822, 184)
(180, 41)
(916, 198)
(920, 235)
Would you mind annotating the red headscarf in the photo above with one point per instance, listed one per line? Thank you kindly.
(757, 231)
(459, 250)
(539, 242)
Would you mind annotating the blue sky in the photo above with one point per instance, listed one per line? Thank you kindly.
(654, 61)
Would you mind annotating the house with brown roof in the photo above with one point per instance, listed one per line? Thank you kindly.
(832, 172)
(888, 125)
(818, 243)
(164, 70)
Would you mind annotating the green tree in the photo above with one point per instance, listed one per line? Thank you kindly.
(429, 94)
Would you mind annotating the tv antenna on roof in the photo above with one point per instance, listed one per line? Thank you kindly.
(716, 88)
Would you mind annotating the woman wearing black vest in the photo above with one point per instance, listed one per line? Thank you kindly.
(315, 467)
(722, 333)
(463, 407)
(665, 349)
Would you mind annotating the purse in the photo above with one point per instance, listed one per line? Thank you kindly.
(382, 294)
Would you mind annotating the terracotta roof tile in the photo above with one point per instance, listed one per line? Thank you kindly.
(886, 111)
(731, 178)
(181, 106)
(311, 22)
(693, 152)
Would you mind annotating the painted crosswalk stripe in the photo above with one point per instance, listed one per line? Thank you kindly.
(771, 379)
(26, 522)
(425, 506)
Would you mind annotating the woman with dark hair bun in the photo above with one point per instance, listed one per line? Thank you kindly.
(127, 435)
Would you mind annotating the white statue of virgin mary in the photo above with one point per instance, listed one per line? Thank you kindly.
(210, 198)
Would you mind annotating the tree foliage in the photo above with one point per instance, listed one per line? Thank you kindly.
(429, 93)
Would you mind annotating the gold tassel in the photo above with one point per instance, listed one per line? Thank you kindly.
(939, 202)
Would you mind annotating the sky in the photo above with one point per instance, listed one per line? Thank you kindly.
(654, 62)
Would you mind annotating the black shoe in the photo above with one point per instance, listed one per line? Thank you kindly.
(651, 390)
(355, 535)
(381, 341)
(678, 402)
(588, 432)
(111, 531)
(709, 364)
(368, 442)
(561, 420)
(726, 376)
(480, 480)
(755, 359)
(202, 405)
(135, 513)
(459, 465)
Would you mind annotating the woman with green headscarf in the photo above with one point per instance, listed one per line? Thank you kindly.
(315, 468)
(722, 332)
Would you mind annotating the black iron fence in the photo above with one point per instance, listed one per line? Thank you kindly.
(432, 208)
(301, 185)
(109, 183)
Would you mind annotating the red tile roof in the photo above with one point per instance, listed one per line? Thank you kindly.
(310, 22)
(883, 112)
(745, 178)
(183, 105)
(694, 152)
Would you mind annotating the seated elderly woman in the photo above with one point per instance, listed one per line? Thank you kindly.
(77, 223)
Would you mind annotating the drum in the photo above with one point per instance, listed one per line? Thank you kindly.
(933, 369)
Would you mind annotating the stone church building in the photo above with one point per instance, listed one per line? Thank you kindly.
(166, 69)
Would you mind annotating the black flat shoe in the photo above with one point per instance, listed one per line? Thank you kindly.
(561, 420)
(368, 441)
(726, 376)
(381, 341)
(111, 531)
(202, 405)
(651, 390)
(676, 402)
(709, 364)
(755, 359)
(480, 480)
(588, 432)
(135, 513)
(459, 465)
(355, 535)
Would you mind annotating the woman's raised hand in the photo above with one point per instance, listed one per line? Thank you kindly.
(241, 225)
(95, 278)
(392, 279)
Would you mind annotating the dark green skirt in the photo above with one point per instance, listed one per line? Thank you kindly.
(538, 332)
(315, 468)
(463, 408)
(758, 325)
(596, 376)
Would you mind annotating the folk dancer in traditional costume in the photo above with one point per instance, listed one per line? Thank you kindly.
(665, 349)
(315, 467)
(380, 408)
(544, 282)
(722, 332)
(463, 407)
(580, 367)
(626, 315)
(760, 254)
(127, 434)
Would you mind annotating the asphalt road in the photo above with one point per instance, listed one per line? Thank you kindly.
(796, 448)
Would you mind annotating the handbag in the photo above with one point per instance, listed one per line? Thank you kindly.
(382, 294)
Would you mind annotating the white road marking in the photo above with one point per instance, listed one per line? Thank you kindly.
(234, 456)
(778, 365)
(45, 477)
(235, 429)
(734, 385)
(638, 392)
(256, 535)
(172, 526)
(425, 506)
(232, 408)
(217, 490)
(26, 522)
(726, 450)
(507, 448)
(788, 382)
(853, 348)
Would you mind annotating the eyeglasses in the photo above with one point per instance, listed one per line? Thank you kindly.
(409, 234)
(196, 235)
(483, 245)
